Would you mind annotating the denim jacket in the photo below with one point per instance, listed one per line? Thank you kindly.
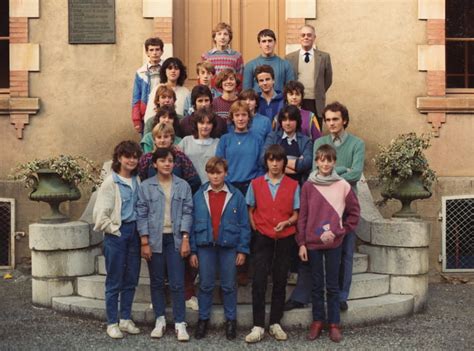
(150, 211)
(234, 228)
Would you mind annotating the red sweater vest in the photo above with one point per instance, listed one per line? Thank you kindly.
(268, 212)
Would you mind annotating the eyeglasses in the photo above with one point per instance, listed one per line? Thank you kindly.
(309, 35)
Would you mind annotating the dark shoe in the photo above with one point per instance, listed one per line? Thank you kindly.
(291, 305)
(230, 330)
(335, 332)
(201, 329)
(343, 306)
(243, 278)
(315, 330)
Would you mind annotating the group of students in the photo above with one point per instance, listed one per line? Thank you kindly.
(222, 176)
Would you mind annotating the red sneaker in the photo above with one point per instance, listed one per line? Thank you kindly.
(335, 333)
(315, 330)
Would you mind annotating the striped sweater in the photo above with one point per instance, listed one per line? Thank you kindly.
(225, 59)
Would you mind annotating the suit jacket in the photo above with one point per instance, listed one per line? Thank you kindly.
(322, 75)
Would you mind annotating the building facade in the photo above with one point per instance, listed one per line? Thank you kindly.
(388, 57)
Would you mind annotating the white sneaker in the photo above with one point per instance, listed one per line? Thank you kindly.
(114, 332)
(255, 335)
(160, 327)
(181, 333)
(192, 303)
(277, 332)
(128, 326)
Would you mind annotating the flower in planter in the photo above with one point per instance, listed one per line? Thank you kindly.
(399, 160)
(74, 169)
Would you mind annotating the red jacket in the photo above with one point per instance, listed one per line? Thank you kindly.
(268, 211)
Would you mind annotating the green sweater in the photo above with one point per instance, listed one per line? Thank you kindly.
(350, 157)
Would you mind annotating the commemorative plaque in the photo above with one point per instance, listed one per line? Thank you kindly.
(91, 21)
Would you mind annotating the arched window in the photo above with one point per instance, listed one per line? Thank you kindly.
(459, 44)
(4, 47)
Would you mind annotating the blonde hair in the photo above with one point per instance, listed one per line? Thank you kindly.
(221, 26)
(238, 106)
(161, 129)
(208, 66)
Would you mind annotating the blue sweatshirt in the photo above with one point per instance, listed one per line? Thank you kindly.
(282, 69)
(242, 152)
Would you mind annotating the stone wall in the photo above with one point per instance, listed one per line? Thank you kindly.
(430, 210)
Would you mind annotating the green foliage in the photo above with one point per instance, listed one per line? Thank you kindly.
(75, 169)
(398, 161)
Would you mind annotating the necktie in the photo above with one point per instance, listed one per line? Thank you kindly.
(306, 57)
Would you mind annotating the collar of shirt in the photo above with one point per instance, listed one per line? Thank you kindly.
(340, 137)
(310, 52)
(205, 142)
(227, 51)
(268, 180)
(224, 188)
(288, 139)
(118, 179)
(153, 68)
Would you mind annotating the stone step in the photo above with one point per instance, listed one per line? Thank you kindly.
(363, 285)
(361, 312)
(360, 265)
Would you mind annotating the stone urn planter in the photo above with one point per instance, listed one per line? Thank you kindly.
(49, 187)
(56, 179)
(404, 172)
(407, 191)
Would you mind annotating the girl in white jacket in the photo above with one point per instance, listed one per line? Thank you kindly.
(115, 214)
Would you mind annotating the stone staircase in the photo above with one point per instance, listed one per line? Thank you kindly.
(370, 300)
(389, 278)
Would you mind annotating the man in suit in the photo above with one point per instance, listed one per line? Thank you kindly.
(312, 68)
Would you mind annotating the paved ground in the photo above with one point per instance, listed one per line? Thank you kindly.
(447, 323)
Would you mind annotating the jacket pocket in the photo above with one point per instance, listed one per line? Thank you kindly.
(200, 232)
(231, 234)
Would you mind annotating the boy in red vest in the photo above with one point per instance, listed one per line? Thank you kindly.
(273, 201)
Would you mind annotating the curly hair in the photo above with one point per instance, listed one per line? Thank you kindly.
(173, 62)
(291, 86)
(336, 106)
(224, 75)
(127, 148)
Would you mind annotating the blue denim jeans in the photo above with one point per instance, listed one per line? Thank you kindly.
(302, 291)
(171, 261)
(347, 259)
(211, 259)
(329, 273)
(122, 262)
